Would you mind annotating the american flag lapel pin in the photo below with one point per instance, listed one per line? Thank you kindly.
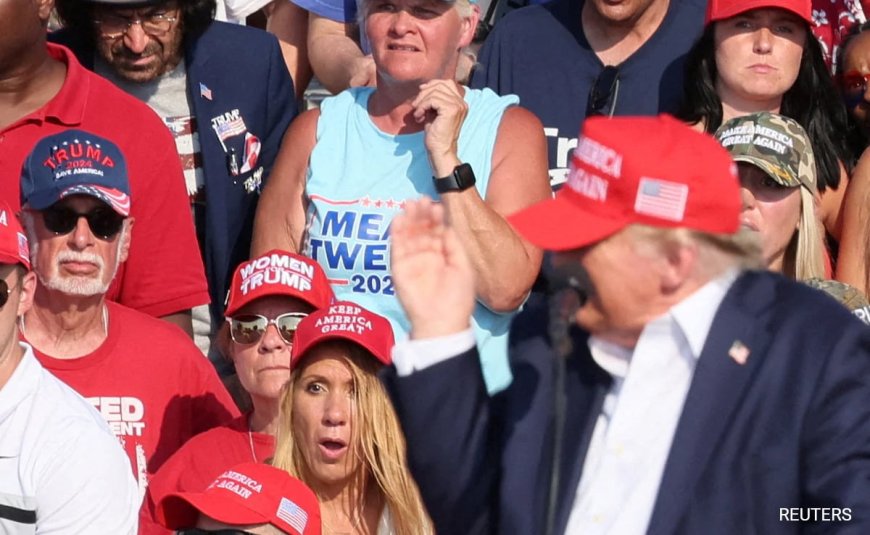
(204, 91)
(738, 352)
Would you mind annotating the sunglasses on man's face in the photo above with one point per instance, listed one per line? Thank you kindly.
(104, 222)
(250, 328)
(605, 89)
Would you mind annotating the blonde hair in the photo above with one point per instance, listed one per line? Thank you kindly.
(376, 438)
(804, 257)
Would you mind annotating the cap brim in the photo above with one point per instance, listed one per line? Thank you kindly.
(178, 511)
(116, 199)
(338, 335)
(559, 225)
(239, 303)
(737, 8)
(8, 260)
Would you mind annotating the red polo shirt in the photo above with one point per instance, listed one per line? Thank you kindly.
(164, 272)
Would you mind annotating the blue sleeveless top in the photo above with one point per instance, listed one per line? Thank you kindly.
(359, 178)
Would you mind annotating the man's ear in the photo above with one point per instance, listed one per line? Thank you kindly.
(44, 8)
(28, 288)
(679, 264)
(128, 235)
(469, 26)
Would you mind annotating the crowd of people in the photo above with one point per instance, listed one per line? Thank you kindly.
(601, 268)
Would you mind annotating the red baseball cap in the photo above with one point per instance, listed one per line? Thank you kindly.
(278, 273)
(248, 493)
(344, 320)
(647, 170)
(13, 241)
(723, 9)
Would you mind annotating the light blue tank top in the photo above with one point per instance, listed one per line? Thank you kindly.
(358, 179)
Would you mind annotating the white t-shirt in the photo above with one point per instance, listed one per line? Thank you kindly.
(61, 469)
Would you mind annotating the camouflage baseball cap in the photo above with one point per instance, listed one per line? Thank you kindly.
(777, 145)
(848, 296)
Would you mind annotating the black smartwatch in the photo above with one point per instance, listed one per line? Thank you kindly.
(460, 179)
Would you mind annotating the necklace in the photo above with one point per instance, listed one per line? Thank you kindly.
(251, 441)
(105, 321)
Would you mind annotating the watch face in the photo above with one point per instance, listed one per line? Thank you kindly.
(464, 176)
(460, 179)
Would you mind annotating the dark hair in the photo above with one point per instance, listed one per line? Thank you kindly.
(812, 101)
(858, 139)
(77, 15)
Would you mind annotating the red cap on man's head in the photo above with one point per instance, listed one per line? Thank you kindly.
(13, 242)
(248, 493)
(636, 170)
(724, 9)
(279, 273)
(344, 320)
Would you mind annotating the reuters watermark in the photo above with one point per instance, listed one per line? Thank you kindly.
(815, 514)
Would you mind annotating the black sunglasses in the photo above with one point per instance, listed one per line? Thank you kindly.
(198, 531)
(605, 89)
(5, 290)
(250, 328)
(104, 222)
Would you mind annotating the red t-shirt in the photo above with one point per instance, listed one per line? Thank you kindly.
(151, 384)
(199, 462)
(164, 271)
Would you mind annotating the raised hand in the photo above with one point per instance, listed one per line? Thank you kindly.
(433, 278)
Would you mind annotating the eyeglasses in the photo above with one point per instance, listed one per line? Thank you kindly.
(605, 89)
(854, 83)
(200, 531)
(105, 223)
(250, 328)
(114, 26)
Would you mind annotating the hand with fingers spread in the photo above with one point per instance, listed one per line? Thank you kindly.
(433, 277)
(441, 108)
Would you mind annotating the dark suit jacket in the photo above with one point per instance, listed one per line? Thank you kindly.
(242, 69)
(789, 428)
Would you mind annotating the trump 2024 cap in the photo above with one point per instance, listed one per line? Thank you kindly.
(75, 162)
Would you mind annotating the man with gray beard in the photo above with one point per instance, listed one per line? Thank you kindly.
(145, 377)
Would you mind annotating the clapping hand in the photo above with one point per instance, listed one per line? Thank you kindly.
(432, 275)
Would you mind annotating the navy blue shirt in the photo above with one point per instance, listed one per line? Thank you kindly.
(540, 54)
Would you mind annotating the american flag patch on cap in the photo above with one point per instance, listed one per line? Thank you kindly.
(292, 514)
(23, 249)
(661, 198)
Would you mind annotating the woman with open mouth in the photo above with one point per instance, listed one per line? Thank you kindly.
(338, 432)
